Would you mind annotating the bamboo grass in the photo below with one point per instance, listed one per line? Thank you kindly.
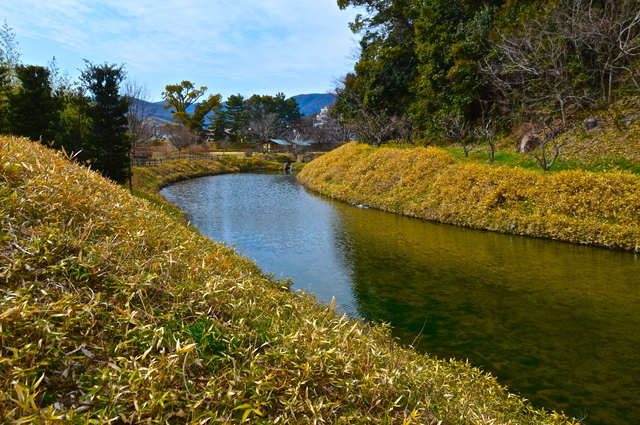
(112, 312)
(591, 208)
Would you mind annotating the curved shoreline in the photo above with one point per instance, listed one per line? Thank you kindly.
(597, 209)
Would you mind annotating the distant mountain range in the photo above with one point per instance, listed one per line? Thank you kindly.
(313, 103)
(309, 105)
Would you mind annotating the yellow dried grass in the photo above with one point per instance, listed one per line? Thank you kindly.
(111, 312)
(601, 209)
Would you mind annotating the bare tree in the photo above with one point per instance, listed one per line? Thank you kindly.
(325, 129)
(302, 129)
(140, 113)
(60, 82)
(263, 128)
(554, 62)
(532, 68)
(338, 131)
(335, 129)
(549, 144)
(179, 135)
(373, 126)
(486, 130)
(457, 128)
(9, 54)
(609, 35)
(9, 59)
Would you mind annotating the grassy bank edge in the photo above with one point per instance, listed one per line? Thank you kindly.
(590, 208)
(113, 312)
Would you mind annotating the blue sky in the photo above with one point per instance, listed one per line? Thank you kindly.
(230, 46)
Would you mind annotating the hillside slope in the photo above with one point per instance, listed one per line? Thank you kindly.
(111, 312)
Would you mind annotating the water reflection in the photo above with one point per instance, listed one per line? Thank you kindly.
(276, 222)
(557, 323)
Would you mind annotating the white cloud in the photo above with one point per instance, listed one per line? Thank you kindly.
(230, 46)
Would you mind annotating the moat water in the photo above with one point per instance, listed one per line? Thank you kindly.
(559, 324)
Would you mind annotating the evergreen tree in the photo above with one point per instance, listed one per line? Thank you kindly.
(387, 66)
(108, 147)
(231, 120)
(34, 108)
(75, 124)
(452, 38)
(270, 116)
(286, 110)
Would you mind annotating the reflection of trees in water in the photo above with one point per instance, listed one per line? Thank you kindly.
(528, 310)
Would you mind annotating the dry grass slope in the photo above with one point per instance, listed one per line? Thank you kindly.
(601, 209)
(111, 312)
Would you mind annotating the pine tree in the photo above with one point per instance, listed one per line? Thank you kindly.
(34, 110)
(109, 144)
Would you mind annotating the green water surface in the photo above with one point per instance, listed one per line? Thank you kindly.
(557, 323)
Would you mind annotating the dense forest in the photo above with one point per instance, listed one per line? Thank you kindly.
(465, 69)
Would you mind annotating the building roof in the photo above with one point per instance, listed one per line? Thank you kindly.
(280, 142)
(291, 142)
(301, 142)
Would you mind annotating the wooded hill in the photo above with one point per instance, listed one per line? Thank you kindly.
(465, 68)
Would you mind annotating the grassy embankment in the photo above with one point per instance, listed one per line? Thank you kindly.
(112, 312)
(600, 209)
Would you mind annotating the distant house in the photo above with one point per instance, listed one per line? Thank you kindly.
(278, 145)
(275, 145)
